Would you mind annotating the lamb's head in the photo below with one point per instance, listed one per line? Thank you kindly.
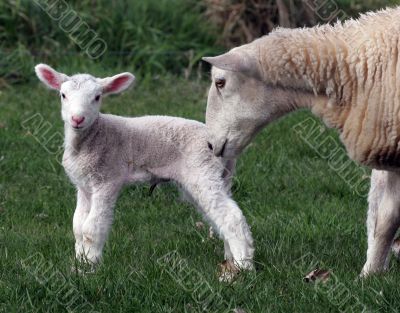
(81, 94)
(236, 103)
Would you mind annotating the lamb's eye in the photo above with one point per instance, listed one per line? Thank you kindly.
(220, 83)
(97, 98)
(63, 95)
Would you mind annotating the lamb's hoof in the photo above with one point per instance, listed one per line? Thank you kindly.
(228, 271)
(83, 268)
(80, 271)
(364, 273)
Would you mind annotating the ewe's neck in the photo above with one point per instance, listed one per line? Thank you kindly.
(303, 59)
(281, 101)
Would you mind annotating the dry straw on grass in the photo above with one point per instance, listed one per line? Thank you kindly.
(241, 21)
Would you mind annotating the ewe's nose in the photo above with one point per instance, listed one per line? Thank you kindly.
(78, 119)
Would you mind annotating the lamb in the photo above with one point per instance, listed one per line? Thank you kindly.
(346, 74)
(104, 152)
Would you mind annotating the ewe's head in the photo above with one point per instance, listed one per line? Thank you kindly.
(235, 103)
(81, 94)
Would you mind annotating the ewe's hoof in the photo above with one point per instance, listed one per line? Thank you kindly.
(368, 269)
(228, 271)
(396, 248)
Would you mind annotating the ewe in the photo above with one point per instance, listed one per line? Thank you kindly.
(104, 152)
(348, 75)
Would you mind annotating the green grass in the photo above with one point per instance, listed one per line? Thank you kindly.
(153, 36)
(300, 210)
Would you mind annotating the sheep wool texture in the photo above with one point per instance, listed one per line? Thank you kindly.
(354, 68)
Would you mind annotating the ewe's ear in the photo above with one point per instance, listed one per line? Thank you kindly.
(235, 61)
(117, 83)
(50, 77)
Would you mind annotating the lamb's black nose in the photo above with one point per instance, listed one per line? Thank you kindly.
(210, 146)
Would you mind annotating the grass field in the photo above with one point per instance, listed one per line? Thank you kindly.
(302, 213)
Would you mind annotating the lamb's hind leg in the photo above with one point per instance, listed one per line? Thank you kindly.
(230, 223)
(227, 220)
(383, 219)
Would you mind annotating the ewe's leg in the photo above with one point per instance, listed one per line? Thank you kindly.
(98, 223)
(80, 215)
(378, 183)
(383, 219)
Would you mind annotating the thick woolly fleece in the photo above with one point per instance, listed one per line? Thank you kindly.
(354, 70)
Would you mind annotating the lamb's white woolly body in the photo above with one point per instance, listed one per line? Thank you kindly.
(112, 151)
(347, 74)
(116, 151)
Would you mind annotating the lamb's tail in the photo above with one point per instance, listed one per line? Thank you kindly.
(154, 184)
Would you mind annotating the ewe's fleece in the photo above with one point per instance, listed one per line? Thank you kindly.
(356, 66)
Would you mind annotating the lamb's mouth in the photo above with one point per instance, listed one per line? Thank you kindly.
(220, 152)
(77, 127)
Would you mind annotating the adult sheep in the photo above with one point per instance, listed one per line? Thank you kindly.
(348, 75)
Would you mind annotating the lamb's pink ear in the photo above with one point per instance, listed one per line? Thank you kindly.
(117, 83)
(50, 77)
(235, 61)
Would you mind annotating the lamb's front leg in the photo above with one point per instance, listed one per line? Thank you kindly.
(383, 219)
(80, 215)
(98, 223)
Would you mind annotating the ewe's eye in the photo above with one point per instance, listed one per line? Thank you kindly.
(97, 98)
(220, 83)
(63, 95)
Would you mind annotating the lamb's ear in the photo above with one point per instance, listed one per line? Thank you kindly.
(50, 77)
(117, 83)
(235, 61)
